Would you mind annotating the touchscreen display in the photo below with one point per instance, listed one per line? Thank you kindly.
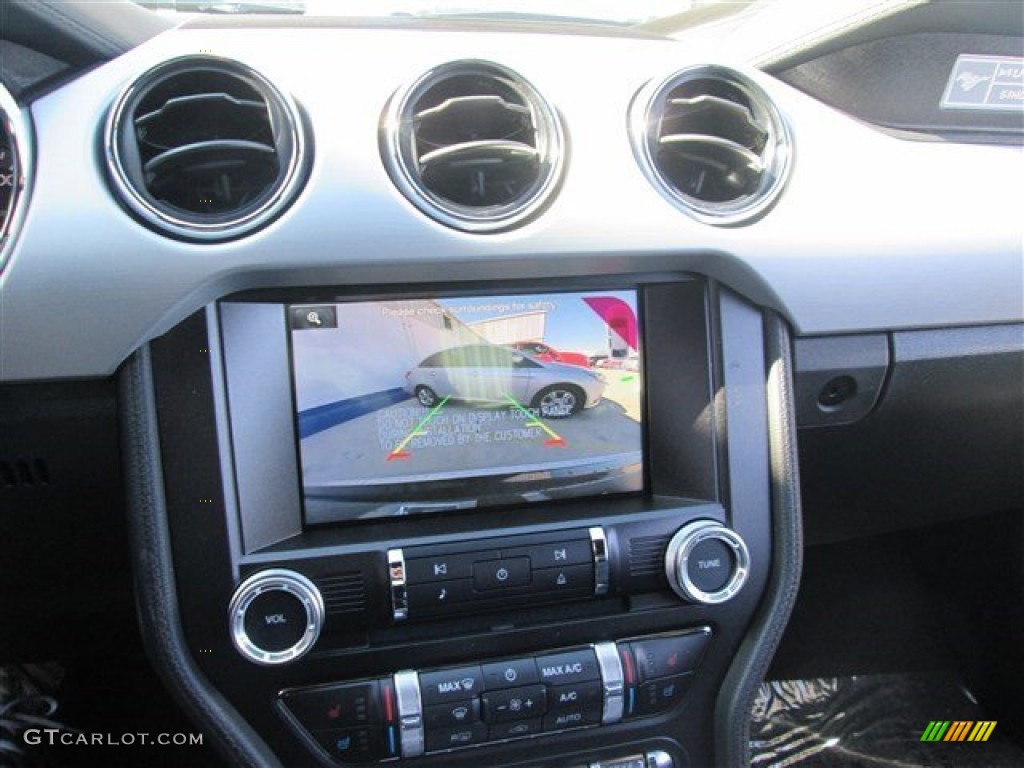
(426, 405)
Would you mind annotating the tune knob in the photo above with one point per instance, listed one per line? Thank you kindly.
(275, 616)
(706, 562)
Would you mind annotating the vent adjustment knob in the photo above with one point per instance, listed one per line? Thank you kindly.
(275, 617)
(706, 562)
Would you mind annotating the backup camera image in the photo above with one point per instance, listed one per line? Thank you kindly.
(413, 406)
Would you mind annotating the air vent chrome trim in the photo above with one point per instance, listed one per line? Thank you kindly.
(759, 123)
(408, 167)
(13, 124)
(288, 136)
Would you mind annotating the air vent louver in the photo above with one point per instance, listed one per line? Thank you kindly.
(713, 142)
(474, 146)
(205, 148)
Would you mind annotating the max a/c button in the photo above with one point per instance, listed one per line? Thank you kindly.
(569, 667)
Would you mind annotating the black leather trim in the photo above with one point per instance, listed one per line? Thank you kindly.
(153, 569)
(82, 33)
(736, 697)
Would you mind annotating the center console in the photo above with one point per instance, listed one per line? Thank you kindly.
(512, 524)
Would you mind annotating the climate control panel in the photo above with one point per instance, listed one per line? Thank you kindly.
(416, 712)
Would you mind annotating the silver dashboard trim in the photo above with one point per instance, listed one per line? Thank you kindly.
(399, 589)
(599, 551)
(119, 284)
(410, 712)
(612, 682)
(17, 129)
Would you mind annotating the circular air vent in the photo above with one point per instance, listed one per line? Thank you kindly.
(205, 148)
(474, 146)
(713, 142)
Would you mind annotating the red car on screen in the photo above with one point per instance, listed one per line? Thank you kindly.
(549, 354)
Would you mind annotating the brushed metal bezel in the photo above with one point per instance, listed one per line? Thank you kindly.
(400, 159)
(287, 186)
(644, 117)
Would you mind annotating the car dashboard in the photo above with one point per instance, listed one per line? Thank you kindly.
(222, 245)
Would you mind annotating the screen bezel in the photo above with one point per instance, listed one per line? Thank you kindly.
(682, 369)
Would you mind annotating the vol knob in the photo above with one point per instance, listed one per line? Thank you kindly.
(706, 562)
(275, 616)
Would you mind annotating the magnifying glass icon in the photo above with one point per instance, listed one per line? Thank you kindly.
(314, 318)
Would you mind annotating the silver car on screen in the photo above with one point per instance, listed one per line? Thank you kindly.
(489, 373)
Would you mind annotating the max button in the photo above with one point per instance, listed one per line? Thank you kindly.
(451, 685)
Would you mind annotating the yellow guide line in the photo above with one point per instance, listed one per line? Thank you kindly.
(533, 421)
(417, 430)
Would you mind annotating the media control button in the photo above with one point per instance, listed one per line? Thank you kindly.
(501, 574)
(711, 565)
(276, 620)
(587, 695)
(353, 745)
(452, 738)
(658, 695)
(337, 706)
(667, 656)
(514, 704)
(568, 667)
(451, 685)
(424, 570)
(572, 578)
(556, 554)
(576, 717)
(511, 673)
(452, 715)
(515, 729)
(438, 596)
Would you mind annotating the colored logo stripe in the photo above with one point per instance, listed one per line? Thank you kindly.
(958, 730)
(982, 730)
